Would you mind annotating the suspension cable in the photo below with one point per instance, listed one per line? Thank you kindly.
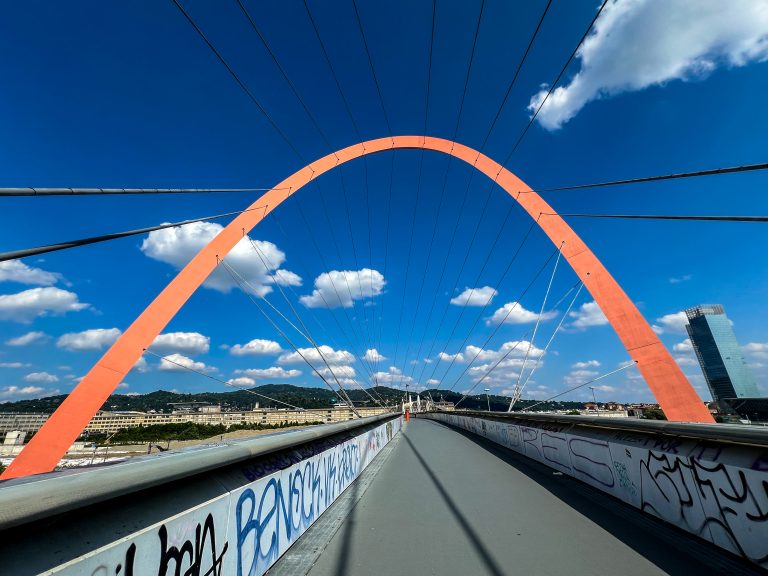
(665, 217)
(201, 373)
(122, 191)
(516, 397)
(517, 389)
(511, 309)
(341, 394)
(25, 252)
(263, 258)
(628, 365)
(554, 84)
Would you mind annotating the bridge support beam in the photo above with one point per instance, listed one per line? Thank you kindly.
(667, 382)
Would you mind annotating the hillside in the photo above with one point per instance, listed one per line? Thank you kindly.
(244, 400)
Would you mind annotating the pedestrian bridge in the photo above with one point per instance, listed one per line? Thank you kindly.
(445, 493)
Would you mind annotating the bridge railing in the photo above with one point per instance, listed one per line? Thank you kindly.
(229, 508)
(708, 479)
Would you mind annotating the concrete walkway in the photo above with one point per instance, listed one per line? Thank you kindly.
(449, 503)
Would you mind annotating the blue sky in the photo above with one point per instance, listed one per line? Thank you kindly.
(100, 95)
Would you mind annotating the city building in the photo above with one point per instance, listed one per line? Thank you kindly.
(719, 354)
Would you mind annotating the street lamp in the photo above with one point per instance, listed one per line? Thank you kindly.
(594, 400)
(488, 398)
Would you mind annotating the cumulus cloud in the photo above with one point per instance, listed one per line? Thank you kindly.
(256, 347)
(286, 278)
(141, 365)
(458, 357)
(339, 288)
(25, 306)
(177, 246)
(339, 371)
(189, 343)
(181, 363)
(333, 357)
(393, 377)
(515, 313)
(242, 381)
(640, 43)
(41, 377)
(685, 346)
(474, 296)
(272, 373)
(671, 324)
(18, 271)
(13, 365)
(585, 365)
(94, 339)
(27, 339)
(508, 360)
(10, 393)
(372, 355)
(579, 376)
(757, 349)
(587, 315)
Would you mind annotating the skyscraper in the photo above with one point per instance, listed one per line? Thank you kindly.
(720, 357)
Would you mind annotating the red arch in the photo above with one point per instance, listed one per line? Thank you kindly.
(665, 379)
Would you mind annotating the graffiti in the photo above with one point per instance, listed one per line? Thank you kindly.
(202, 553)
(624, 479)
(715, 491)
(709, 500)
(590, 458)
(277, 500)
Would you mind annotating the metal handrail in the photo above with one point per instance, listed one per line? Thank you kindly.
(24, 500)
(728, 433)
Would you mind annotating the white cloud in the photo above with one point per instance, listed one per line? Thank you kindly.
(505, 363)
(679, 279)
(757, 349)
(640, 43)
(372, 355)
(26, 339)
(433, 382)
(94, 339)
(392, 377)
(338, 288)
(40, 377)
(177, 246)
(515, 313)
(458, 357)
(579, 376)
(17, 271)
(272, 373)
(141, 365)
(587, 315)
(684, 347)
(182, 363)
(16, 392)
(123, 386)
(27, 305)
(585, 365)
(13, 365)
(671, 323)
(686, 361)
(333, 357)
(242, 381)
(189, 343)
(286, 278)
(339, 371)
(256, 347)
(474, 296)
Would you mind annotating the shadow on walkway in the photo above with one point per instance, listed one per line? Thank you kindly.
(483, 552)
(668, 547)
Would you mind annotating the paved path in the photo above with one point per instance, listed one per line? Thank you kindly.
(448, 503)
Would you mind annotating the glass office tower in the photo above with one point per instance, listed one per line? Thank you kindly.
(720, 357)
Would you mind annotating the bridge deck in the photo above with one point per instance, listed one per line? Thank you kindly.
(448, 503)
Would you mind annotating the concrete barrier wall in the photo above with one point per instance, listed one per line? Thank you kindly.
(237, 521)
(714, 489)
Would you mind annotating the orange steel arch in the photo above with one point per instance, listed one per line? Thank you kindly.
(665, 379)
